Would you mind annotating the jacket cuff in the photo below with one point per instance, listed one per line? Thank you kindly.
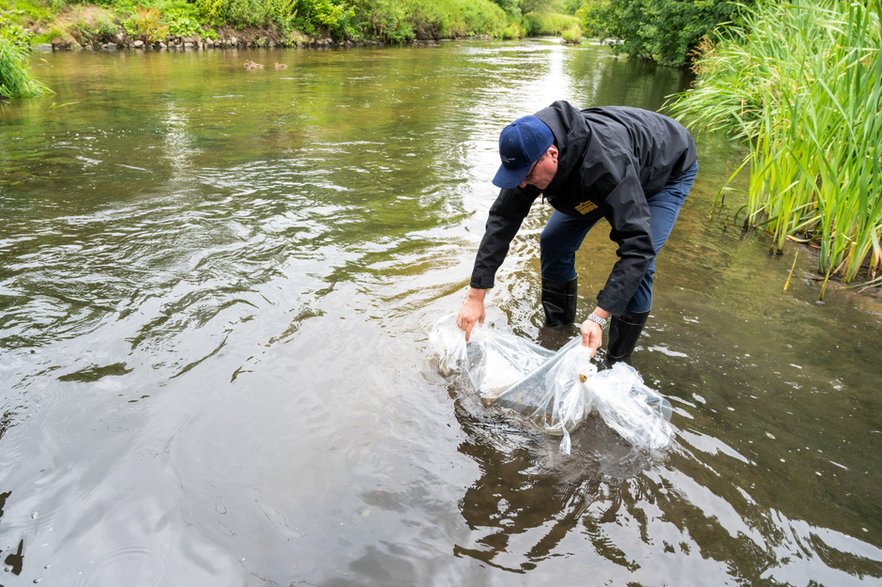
(609, 303)
(481, 282)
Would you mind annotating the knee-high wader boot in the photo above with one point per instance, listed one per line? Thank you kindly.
(559, 302)
(624, 331)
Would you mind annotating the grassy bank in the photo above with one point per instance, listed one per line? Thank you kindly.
(802, 84)
(15, 77)
(67, 24)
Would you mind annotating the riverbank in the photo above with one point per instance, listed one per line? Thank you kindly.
(171, 24)
(93, 28)
(224, 38)
(63, 25)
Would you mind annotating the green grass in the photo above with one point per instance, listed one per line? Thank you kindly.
(551, 23)
(801, 82)
(15, 77)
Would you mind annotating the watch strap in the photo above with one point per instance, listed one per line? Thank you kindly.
(598, 320)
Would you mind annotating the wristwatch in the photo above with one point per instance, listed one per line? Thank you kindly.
(598, 320)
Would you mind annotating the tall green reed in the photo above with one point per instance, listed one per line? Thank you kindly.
(15, 77)
(801, 82)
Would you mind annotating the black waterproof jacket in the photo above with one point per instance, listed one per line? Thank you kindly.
(611, 162)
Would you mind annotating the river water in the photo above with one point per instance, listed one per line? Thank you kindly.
(216, 288)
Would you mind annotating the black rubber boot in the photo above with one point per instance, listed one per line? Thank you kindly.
(559, 302)
(624, 331)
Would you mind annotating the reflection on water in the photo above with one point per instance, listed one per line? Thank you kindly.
(529, 497)
(216, 287)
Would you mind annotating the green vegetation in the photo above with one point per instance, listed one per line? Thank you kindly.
(435, 19)
(666, 31)
(802, 83)
(553, 23)
(288, 22)
(15, 78)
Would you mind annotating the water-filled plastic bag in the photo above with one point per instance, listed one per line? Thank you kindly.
(554, 390)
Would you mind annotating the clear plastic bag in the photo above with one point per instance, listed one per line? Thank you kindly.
(493, 361)
(554, 390)
(638, 413)
(553, 396)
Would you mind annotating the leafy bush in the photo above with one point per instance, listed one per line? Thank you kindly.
(386, 20)
(666, 31)
(392, 21)
(572, 35)
(95, 25)
(184, 27)
(481, 18)
(146, 25)
(511, 7)
(514, 30)
(399, 21)
(184, 19)
(53, 34)
(435, 19)
(312, 16)
(13, 33)
(242, 12)
(550, 23)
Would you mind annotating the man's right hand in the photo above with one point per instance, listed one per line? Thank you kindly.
(472, 311)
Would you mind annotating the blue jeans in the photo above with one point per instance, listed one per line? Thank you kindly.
(563, 235)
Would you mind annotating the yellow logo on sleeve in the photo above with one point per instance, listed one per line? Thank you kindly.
(586, 207)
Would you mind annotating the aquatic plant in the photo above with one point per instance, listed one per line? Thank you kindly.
(15, 76)
(801, 82)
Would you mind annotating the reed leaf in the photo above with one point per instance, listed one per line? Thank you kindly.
(15, 77)
(801, 84)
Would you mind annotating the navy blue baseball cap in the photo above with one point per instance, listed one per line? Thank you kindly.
(521, 144)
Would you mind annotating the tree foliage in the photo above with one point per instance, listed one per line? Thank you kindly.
(394, 21)
(666, 31)
(511, 7)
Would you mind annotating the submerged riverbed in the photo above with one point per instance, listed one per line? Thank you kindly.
(216, 288)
